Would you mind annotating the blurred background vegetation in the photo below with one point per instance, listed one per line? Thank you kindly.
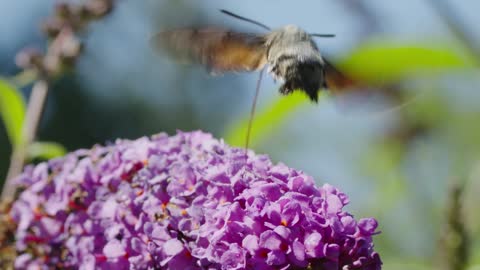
(415, 167)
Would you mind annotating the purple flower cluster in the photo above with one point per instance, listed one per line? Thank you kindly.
(183, 202)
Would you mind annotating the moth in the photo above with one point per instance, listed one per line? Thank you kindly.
(290, 54)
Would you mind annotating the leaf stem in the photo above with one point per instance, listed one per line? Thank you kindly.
(24, 78)
(30, 126)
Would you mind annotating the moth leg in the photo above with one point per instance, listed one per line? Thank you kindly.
(285, 89)
(324, 83)
(274, 71)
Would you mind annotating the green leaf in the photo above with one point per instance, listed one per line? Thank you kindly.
(266, 121)
(389, 62)
(474, 267)
(12, 110)
(45, 150)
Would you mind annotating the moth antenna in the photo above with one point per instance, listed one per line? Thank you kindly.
(252, 113)
(322, 35)
(245, 19)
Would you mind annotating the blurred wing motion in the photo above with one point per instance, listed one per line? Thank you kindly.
(219, 50)
(352, 94)
(223, 50)
(337, 81)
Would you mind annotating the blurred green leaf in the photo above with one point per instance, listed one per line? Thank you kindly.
(12, 110)
(389, 62)
(266, 121)
(474, 267)
(45, 150)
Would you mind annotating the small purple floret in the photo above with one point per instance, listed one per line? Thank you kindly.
(183, 202)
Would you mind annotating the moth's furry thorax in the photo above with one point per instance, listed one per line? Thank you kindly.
(294, 58)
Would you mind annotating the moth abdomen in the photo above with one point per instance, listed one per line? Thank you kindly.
(308, 76)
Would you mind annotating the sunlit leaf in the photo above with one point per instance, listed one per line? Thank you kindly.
(265, 121)
(45, 150)
(12, 110)
(386, 62)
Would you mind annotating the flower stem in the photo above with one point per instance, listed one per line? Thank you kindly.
(30, 126)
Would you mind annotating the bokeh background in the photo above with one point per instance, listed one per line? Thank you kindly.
(399, 165)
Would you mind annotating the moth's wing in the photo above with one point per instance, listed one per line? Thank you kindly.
(354, 94)
(337, 81)
(218, 49)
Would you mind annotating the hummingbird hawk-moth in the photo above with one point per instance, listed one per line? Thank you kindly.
(289, 52)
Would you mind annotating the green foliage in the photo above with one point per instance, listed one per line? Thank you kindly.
(12, 111)
(386, 62)
(45, 150)
(266, 121)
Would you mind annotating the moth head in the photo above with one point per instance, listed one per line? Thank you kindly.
(293, 29)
